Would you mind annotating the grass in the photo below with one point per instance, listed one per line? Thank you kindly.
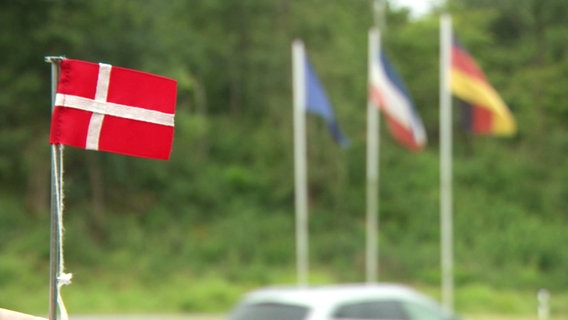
(212, 293)
(481, 302)
(138, 280)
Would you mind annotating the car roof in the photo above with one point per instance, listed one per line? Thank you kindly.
(332, 295)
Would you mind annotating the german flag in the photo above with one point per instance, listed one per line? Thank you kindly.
(484, 110)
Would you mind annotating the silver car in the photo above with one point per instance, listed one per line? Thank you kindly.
(334, 302)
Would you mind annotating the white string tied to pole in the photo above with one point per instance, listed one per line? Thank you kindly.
(62, 277)
(57, 277)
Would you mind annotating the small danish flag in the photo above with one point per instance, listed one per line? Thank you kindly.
(114, 109)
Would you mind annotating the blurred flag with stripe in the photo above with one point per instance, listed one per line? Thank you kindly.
(483, 110)
(389, 93)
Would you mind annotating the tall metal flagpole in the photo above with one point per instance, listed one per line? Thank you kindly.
(300, 172)
(446, 215)
(373, 140)
(56, 171)
(372, 172)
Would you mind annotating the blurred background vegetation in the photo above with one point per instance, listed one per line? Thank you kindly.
(193, 233)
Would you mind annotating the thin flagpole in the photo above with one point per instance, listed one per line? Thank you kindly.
(373, 141)
(446, 215)
(300, 172)
(56, 200)
(373, 125)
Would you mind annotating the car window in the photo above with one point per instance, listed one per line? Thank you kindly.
(377, 310)
(419, 311)
(268, 311)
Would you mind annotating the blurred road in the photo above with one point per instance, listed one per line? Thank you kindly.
(149, 317)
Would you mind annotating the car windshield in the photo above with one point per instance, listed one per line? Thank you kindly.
(269, 311)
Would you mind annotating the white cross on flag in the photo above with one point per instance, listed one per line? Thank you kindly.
(114, 109)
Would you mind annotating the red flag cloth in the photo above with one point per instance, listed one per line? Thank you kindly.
(114, 109)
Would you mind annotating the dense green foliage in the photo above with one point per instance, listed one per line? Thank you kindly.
(223, 207)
